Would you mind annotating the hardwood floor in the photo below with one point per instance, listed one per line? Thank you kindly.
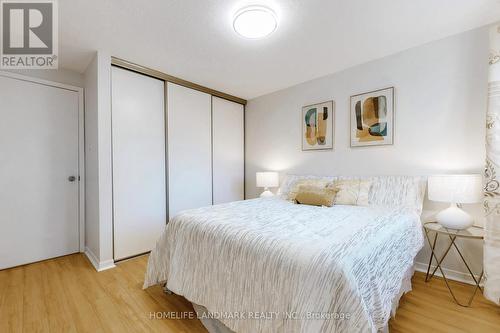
(430, 308)
(67, 295)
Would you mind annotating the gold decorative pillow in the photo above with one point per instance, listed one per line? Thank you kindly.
(351, 192)
(319, 183)
(315, 195)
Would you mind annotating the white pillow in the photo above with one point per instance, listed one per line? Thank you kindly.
(288, 182)
(354, 192)
(385, 191)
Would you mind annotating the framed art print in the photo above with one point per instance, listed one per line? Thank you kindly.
(372, 118)
(317, 126)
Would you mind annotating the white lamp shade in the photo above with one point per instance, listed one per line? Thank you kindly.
(456, 188)
(267, 179)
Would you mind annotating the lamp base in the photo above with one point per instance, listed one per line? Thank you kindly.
(266, 194)
(454, 218)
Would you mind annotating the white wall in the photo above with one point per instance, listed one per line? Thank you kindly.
(99, 216)
(441, 94)
(91, 160)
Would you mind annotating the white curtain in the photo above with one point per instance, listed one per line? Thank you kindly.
(492, 173)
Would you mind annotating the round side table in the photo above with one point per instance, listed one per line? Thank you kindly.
(452, 234)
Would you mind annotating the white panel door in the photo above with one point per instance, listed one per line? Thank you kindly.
(228, 150)
(139, 189)
(189, 149)
(38, 154)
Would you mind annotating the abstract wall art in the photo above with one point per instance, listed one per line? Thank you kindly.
(372, 118)
(317, 126)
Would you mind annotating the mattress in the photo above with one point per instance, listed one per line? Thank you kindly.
(268, 265)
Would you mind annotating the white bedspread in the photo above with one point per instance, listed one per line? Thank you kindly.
(267, 256)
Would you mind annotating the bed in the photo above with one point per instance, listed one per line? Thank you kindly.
(269, 265)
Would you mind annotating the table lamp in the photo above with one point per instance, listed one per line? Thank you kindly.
(455, 189)
(266, 180)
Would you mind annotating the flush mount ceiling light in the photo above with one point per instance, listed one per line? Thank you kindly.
(255, 22)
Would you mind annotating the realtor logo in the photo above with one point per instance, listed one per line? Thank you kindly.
(29, 34)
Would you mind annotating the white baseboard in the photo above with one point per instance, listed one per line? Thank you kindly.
(98, 265)
(450, 274)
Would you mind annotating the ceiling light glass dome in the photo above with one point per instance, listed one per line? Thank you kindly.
(255, 22)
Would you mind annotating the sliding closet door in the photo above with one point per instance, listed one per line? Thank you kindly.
(228, 150)
(139, 187)
(189, 149)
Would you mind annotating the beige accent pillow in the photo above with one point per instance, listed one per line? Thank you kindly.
(316, 196)
(351, 192)
(320, 183)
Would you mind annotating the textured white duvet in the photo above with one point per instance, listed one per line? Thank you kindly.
(288, 263)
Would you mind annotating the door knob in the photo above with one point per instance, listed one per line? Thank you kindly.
(71, 178)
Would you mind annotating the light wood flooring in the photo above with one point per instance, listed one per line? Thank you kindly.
(66, 294)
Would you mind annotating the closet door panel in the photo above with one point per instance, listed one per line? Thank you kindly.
(189, 149)
(139, 187)
(228, 150)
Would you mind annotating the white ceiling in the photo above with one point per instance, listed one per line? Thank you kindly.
(194, 39)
